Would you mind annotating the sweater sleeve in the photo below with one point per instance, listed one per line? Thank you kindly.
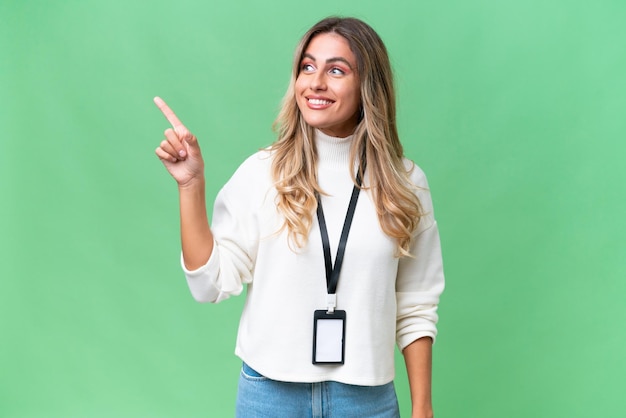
(420, 279)
(235, 232)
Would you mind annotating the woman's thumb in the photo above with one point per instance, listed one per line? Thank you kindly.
(191, 140)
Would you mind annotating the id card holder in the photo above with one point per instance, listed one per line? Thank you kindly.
(329, 332)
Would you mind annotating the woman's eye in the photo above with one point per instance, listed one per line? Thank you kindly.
(307, 67)
(337, 71)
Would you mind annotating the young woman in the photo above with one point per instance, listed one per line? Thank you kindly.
(332, 231)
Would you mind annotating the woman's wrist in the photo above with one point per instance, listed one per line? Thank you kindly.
(194, 184)
(422, 412)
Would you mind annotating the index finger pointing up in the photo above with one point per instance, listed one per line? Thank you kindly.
(169, 113)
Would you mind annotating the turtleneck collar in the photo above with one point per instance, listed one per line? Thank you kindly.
(333, 153)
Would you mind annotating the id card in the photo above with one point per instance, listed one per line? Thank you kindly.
(329, 331)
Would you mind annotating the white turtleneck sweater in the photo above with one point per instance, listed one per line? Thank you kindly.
(387, 300)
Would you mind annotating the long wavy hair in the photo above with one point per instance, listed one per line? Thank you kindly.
(294, 164)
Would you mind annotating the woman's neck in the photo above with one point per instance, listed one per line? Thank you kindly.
(333, 153)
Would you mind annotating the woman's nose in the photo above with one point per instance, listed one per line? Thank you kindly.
(318, 81)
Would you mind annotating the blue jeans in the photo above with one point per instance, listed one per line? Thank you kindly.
(260, 397)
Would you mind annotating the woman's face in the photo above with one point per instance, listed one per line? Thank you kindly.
(327, 87)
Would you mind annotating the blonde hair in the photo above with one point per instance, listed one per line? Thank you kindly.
(294, 164)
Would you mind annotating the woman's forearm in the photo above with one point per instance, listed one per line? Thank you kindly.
(418, 359)
(196, 236)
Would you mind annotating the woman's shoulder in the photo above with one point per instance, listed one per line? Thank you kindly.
(257, 164)
(420, 183)
(415, 173)
(254, 173)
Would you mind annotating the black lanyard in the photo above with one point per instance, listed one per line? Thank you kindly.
(332, 273)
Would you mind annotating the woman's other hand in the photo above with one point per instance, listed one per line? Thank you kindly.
(179, 151)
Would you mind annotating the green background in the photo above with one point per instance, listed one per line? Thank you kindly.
(515, 110)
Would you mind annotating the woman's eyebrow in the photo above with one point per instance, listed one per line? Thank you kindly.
(330, 60)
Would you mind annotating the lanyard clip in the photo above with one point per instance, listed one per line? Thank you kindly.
(332, 302)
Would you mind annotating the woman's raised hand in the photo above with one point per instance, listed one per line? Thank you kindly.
(179, 151)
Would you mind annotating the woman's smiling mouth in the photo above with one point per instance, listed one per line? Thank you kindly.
(319, 102)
